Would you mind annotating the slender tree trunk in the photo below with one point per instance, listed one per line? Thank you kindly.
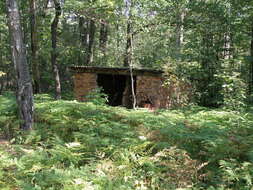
(128, 63)
(117, 55)
(1, 54)
(118, 35)
(228, 38)
(103, 37)
(1, 65)
(87, 30)
(129, 50)
(43, 9)
(54, 53)
(227, 46)
(128, 54)
(24, 84)
(90, 51)
(84, 36)
(251, 64)
(34, 46)
(179, 35)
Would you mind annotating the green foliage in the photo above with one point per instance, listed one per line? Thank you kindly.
(233, 91)
(8, 115)
(177, 78)
(97, 97)
(199, 38)
(86, 146)
(236, 175)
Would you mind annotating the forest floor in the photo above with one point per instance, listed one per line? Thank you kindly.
(96, 147)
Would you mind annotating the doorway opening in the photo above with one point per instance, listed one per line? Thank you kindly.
(117, 89)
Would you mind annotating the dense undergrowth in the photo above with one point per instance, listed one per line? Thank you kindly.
(93, 147)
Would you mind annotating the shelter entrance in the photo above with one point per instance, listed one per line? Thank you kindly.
(117, 87)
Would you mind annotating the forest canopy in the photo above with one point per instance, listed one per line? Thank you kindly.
(207, 42)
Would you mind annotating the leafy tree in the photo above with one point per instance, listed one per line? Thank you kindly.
(206, 42)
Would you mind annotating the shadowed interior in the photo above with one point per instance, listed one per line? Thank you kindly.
(118, 89)
(113, 86)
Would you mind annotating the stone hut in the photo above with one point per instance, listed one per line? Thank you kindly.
(116, 83)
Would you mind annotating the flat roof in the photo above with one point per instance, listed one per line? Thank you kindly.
(115, 70)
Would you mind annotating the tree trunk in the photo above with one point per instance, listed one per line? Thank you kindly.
(1, 65)
(227, 46)
(118, 35)
(179, 34)
(87, 30)
(129, 50)
(24, 84)
(103, 37)
(1, 54)
(90, 52)
(128, 60)
(83, 29)
(251, 64)
(34, 46)
(128, 55)
(54, 53)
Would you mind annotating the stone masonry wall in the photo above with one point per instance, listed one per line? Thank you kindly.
(148, 91)
(84, 83)
(151, 93)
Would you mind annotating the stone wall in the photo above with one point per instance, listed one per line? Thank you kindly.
(84, 83)
(151, 93)
(148, 91)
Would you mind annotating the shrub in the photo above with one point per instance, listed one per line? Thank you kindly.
(97, 97)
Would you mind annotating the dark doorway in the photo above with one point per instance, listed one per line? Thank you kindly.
(113, 86)
(116, 87)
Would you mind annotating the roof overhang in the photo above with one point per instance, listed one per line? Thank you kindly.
(115, 70)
